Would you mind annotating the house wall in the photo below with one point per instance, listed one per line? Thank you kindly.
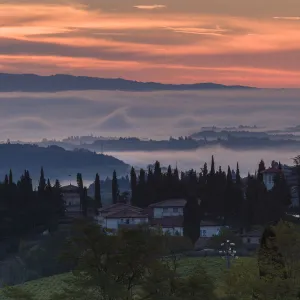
(114, 223)
(160, 212)
(71, 199)
(209, 231)
(268, 180)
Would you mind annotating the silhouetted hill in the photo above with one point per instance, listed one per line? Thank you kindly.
(57, 162)
(55, 83)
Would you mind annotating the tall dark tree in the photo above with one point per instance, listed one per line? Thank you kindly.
(192, 218)
(10, 177)
(80, 187)
(279, 198)
(212, 166)
(238, 175)
(6, 181)
(142, 199)
(42, 182)
(133, 185)
(261, 168)
(98, 202)
(114, 188)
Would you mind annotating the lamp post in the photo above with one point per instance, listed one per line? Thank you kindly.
(228, 252)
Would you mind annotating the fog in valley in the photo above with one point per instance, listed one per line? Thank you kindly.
(157, 115)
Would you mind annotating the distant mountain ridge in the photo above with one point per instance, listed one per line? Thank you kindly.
(60, 82)
(57, 162)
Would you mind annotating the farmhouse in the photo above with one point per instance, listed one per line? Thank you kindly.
(121, 215)
(71, 197)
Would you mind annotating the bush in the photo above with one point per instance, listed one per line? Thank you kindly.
(178, 244)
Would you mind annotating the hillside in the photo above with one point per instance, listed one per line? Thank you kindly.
(215, 266)
(57, 162)
(59, 82)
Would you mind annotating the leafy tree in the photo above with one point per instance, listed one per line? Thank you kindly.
(288, 240)
(270, 259)
(108, 267)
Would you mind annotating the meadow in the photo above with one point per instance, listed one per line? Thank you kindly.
(215, 267)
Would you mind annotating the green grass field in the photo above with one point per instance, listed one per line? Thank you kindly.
(44, 287)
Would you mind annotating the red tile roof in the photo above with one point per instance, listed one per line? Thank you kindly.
(169, 203)
(119, 206)
(126, 213)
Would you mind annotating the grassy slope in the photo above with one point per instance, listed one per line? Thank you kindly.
(44, 287)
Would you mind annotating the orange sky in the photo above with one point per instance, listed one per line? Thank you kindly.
(232, 42)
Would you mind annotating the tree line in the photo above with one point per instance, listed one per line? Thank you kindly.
(214, 193)
(24, 209)
(210, 192)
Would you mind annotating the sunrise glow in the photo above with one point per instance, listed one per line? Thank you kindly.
(170, 41)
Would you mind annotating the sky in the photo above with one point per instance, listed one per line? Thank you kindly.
(254, 43)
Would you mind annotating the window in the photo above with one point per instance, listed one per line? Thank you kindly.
(203, 233)
(165, 209)
(248, 240)
(175, 209)
(122, 220)
(127, 221)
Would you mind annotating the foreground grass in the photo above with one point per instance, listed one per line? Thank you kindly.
(215, 267)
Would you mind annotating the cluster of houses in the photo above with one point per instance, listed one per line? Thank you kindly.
(168, 215)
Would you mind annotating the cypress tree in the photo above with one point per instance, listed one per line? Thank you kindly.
(6, 181)
(98, 201)
(133, 186)
(212, 166)
(80, 187)
(192, 219)
(114, 188)
(42, 182)
(261, 168)
(10, 178)
(238, 176)
(279, 198)
(142, 189)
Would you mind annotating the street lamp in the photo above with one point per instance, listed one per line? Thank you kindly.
(228, 252)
